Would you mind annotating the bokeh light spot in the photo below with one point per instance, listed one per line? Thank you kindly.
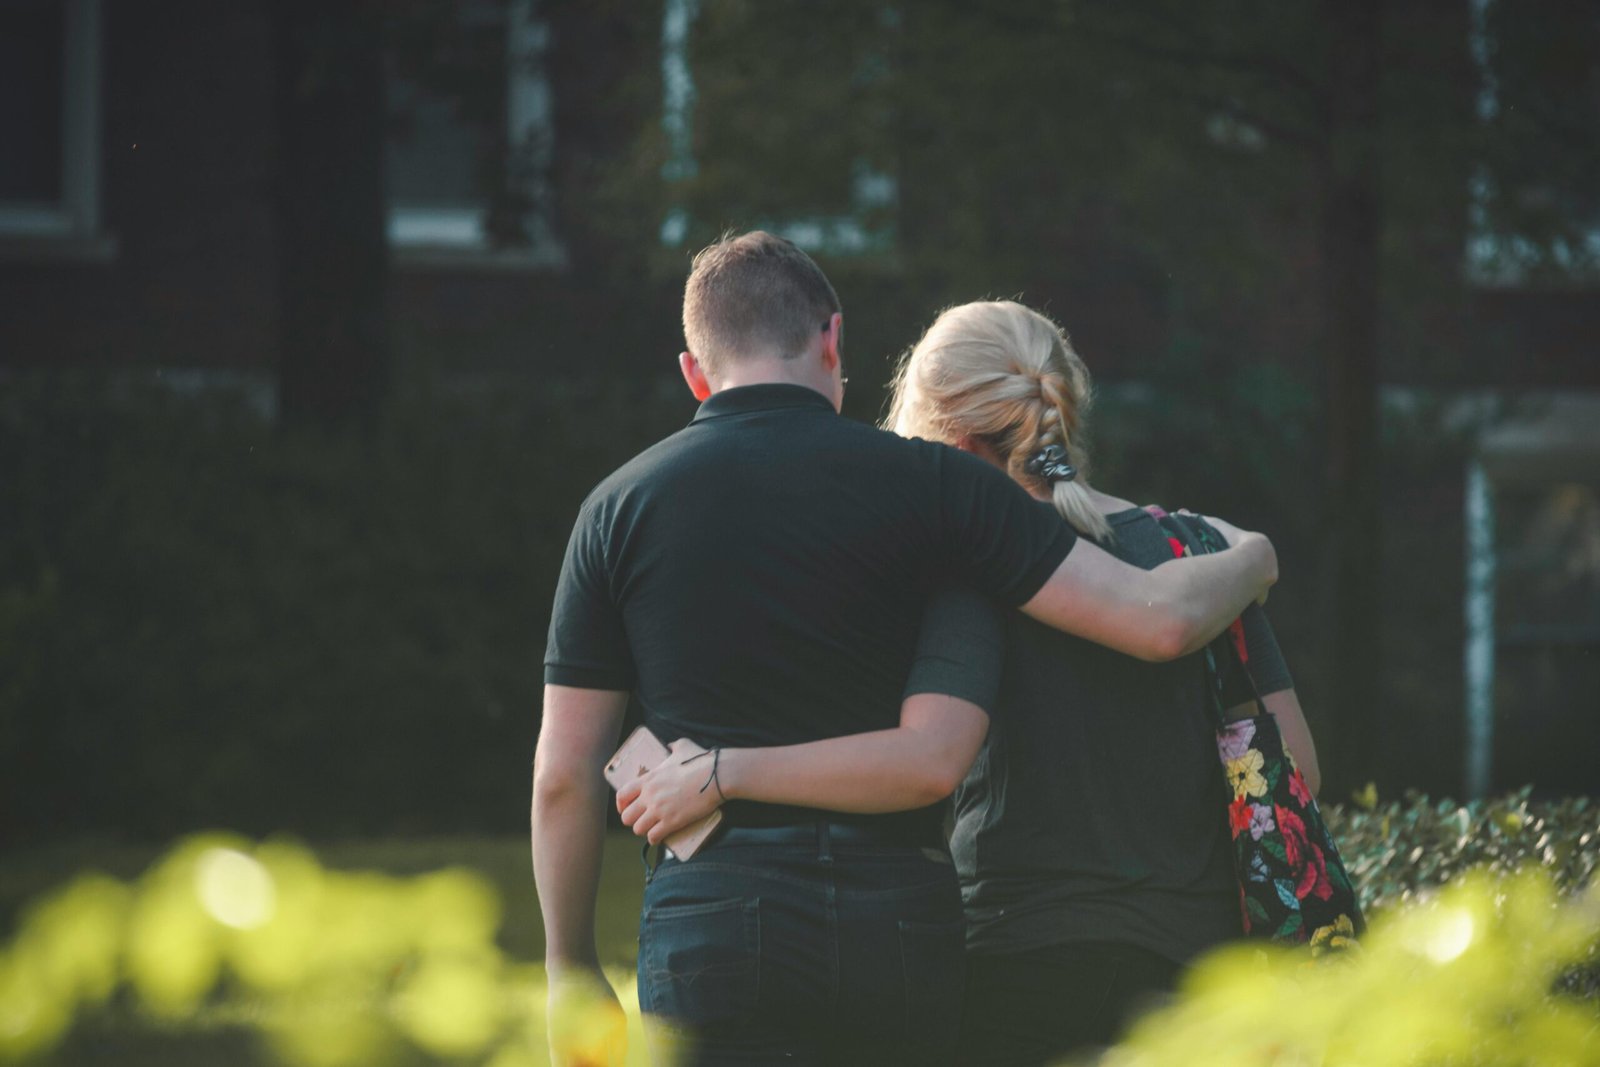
(1444, 936)
(234, 888)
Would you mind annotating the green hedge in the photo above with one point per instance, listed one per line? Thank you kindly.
(1404, 848)
(207, 622)
(1399, 848)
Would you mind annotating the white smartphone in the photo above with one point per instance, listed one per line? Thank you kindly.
(640, 752)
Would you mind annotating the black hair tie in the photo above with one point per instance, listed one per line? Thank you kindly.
(1050, 463)
(716, 765)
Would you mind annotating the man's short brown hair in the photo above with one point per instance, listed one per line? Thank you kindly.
(755, 294)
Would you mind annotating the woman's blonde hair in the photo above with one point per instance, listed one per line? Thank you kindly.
(1006, 375)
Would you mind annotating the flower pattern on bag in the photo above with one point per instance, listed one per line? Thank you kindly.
(1241, 813)
(1293, 885)
(1303, 857)
(1261, 821)
(1298, 788)
(1244, 774)
(1234, 741)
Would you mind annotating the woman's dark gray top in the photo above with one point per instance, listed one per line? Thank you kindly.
(1096, 809)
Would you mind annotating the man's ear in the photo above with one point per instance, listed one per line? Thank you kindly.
(967, 443)
(833, 341)
(694, 375)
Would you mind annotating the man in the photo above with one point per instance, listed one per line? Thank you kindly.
(758, 579)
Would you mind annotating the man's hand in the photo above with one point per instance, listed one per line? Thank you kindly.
(584, 1022)
(672, 795)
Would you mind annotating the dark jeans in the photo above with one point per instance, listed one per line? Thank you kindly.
(821, 953)
(1029, 1008)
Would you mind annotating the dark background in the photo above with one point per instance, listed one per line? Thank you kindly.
(285, 475)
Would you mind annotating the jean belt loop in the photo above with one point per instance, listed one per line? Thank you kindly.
(824, 842)
(644, 858)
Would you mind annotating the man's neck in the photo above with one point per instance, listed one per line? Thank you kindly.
(799, 372)
(764, 372)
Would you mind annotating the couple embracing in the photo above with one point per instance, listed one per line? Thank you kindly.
(838, 627)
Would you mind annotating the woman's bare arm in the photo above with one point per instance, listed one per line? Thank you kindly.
(917, 763)
(1284, 706)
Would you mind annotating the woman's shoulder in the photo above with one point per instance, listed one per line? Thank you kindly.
(1121, 513)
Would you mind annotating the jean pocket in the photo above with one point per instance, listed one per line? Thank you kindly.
(933, 970)
(701, 963)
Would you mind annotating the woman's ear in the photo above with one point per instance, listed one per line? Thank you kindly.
(982, 449)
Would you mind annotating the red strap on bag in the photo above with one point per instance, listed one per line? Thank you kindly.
(1236, 628)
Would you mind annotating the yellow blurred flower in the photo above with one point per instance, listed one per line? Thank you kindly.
(585, 1023)
(71, 942)
(451, 1006)
(454, 910)
(33, 1015)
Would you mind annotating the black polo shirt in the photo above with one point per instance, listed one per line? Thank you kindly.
(759, 577)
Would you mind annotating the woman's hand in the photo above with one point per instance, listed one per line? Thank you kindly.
(675, 794)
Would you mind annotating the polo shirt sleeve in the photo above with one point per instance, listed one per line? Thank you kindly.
(1004, 541)
(588, 645)
(960, 649)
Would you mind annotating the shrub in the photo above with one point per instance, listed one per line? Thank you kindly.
(207, 622)
(334, 967)
(1400, 848)
(1463, 976)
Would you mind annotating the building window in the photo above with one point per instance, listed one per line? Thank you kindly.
(50, 127)
(1533, 598)
(471, 134)
(1525, 223)
(731, 140)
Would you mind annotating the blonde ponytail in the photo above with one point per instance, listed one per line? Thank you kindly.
(1003, 374)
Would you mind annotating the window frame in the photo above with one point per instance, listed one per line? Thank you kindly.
(457, 235)
(845, 234)
(71, 227)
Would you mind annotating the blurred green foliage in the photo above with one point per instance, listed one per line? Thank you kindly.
(1462, 976)
(326, 967)
(1483, 950)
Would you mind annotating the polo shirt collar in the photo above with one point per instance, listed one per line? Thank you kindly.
(768, 396)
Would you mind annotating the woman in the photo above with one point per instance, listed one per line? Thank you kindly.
(1085, 889)
(1093, 851)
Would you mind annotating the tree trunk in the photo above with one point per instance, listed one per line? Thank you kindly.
(1351, 229)
(334, 363)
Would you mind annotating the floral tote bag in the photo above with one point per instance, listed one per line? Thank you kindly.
(1293, 886)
